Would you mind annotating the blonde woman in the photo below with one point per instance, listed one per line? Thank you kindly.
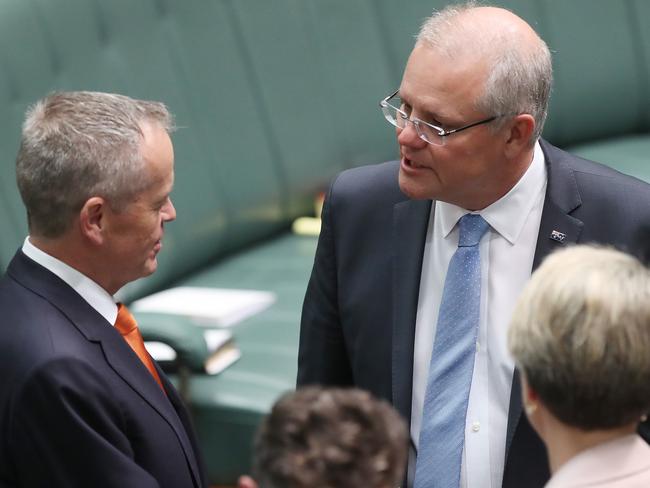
(580, 336)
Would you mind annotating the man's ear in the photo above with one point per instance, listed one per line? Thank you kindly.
(92, 219)
(246, 482)
(520, 131)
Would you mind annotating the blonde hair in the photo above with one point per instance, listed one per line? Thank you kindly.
(581, 335)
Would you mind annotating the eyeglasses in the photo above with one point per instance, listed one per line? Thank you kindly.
(427, 132)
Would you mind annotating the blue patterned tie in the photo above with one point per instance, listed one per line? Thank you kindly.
(452, 361)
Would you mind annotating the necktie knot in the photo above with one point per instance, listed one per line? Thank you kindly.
(125, 322)
(472, 227)
(127, 326)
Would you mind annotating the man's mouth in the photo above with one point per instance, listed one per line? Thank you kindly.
(409, 163)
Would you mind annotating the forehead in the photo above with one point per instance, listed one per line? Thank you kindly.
(158, 154)
(443, 84)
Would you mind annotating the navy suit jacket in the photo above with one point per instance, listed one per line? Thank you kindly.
(77, 407)
(358, 319)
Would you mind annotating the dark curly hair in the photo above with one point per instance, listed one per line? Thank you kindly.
(331, 438)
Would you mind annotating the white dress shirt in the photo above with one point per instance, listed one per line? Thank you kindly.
(507, 251)
(95, 295)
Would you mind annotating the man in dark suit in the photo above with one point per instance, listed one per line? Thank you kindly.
(468, 116)
(81, 402)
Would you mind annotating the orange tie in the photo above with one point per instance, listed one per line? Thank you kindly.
(128, 327)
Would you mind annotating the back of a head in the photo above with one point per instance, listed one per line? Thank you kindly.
(581, 334)
(331, 438)
(520, 72)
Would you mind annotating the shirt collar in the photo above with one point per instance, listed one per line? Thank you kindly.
(95, 295)
(615, 459)
(507, 215)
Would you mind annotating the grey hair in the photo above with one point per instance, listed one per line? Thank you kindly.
(76, 145)
(520, 74)
(580, 334)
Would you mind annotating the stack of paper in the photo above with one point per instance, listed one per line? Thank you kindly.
(207, 306)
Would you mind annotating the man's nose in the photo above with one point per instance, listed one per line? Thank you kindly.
(170, 211)
(408, 136)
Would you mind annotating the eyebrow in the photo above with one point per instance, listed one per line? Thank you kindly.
(166, 195)
(428, 114)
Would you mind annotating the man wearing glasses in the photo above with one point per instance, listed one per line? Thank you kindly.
(420, 261)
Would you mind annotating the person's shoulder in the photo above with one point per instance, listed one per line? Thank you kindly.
(388, 169)
(369, 182)
(26, 308)
(590, 173)
(34, 330)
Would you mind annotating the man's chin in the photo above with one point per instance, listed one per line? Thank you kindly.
(150, 267)
(415, 190)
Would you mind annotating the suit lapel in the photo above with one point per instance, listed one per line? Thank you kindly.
(557, 229)
(94, 328)
(186, 435)
(410, 220)
(127, 365)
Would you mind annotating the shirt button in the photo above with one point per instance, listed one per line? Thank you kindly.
(476, 426)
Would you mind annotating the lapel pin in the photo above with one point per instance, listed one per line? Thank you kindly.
(558, 236)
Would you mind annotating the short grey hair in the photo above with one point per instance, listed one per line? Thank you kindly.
(76, 145)
(580, 334)
(330, 438)
(520, 74)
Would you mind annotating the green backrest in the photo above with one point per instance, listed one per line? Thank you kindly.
(640, 10)
(600, 90)
(229, 122)
(230, 186)
(289, 87)
(274, 98)
(355, 67)
(400, 23)
(18, 75)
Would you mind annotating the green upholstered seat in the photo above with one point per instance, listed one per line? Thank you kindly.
(599, 90)
(355, 68)
(629, 154)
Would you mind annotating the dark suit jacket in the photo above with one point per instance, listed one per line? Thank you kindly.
(358, 321)
(77, 407)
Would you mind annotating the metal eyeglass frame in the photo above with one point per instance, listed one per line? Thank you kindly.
(416, 122)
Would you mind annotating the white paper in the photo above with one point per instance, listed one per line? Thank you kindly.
(216, 338)
(160, 351)
(216, 363)
(207, 306)
(222, 351)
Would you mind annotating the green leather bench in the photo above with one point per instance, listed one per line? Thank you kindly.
(272, 99)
